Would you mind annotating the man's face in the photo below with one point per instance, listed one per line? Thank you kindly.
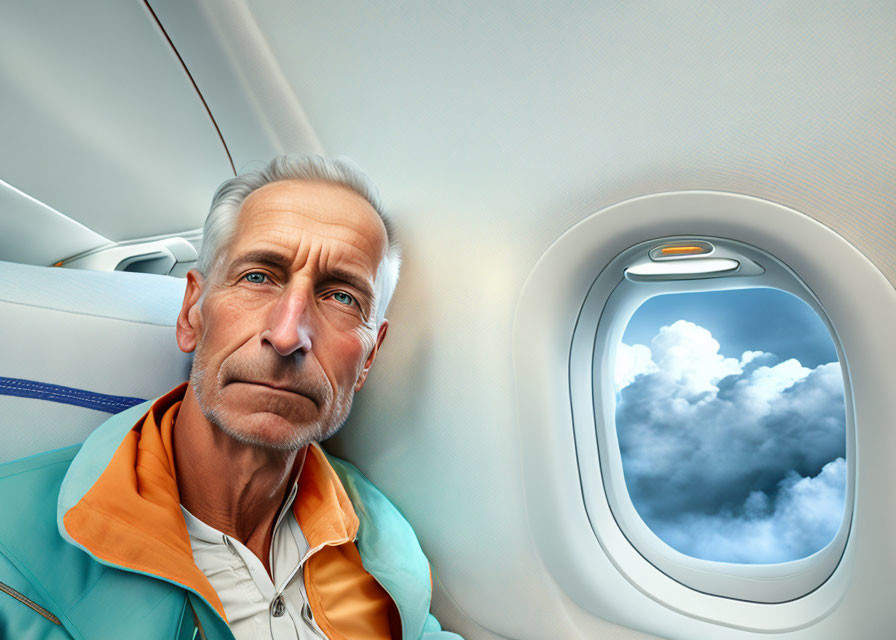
(284, 327)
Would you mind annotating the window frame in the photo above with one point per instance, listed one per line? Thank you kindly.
(605, 313)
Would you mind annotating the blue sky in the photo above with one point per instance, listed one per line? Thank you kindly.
(759, 319)
(731, 424)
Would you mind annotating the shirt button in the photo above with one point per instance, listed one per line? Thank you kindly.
(278, 607)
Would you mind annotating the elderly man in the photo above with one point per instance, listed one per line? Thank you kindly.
(214, 513)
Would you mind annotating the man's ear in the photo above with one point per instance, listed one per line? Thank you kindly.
(380, 336)
(189, 320)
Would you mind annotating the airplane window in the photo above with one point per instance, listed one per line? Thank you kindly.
(712, 415)
(731, 424)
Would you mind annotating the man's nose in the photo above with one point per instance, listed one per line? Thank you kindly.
(290, 322)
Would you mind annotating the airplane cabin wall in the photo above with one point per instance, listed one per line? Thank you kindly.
(490, 132)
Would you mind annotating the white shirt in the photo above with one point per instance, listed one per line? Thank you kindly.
(256, 606)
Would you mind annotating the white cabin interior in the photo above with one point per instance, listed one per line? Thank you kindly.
(520, 147)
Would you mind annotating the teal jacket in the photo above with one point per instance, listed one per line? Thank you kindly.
(51, 588)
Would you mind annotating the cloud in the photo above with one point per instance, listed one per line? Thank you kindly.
(802, 517)
(632, 361)
(704, 437)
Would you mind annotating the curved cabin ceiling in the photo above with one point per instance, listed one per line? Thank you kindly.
(101, 123)
(542, 113)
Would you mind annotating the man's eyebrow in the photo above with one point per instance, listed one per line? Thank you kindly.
(349, 277)
(262, 256)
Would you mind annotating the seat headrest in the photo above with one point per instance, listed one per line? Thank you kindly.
(78, 346)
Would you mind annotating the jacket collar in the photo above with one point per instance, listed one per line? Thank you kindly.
(389, 549)
(119, 500)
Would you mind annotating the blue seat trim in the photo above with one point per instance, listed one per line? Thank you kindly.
(66, 395)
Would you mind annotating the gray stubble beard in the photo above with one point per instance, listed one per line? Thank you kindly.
(317, 431)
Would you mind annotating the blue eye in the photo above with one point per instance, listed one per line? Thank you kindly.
(343, 298)
(255, 277)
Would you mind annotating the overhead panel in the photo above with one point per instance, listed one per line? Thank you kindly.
(25, 224)
(100, 121)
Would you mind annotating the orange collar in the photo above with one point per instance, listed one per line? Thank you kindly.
(131, 518)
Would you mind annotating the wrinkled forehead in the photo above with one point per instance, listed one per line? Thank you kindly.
(292, 215)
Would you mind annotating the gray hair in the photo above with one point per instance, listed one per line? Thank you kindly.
(220, 225)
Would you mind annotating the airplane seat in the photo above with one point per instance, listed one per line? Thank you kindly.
(78, 346)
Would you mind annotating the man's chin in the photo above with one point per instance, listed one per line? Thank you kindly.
(268, 431)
